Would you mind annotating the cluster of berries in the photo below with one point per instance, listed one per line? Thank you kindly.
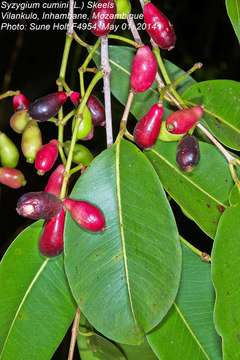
(143, 74)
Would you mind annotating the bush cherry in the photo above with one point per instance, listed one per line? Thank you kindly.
(12, 178)
(51, 239)
(46, 157)
(102, 17)
(88, 216)
(9, 153)
(147, 129)
(19, 121)
(188, 153)
(47, 106)
(20, 102)
(39, 205)
(31, 141)
(144, 70)
(181, 121)
(55, 181)
(159, 27)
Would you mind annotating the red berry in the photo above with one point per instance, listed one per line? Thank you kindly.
(88, 216)
(147, 129)
(95, 106)
(159, 27)
(51, 239)
(144, 70)
(47, 106)
(20, 102)
(46, 157)
(75, 98)
(102, 17)
(181, 121)
(188, 153)
(39, 205)
(12, 178)
(55, 181)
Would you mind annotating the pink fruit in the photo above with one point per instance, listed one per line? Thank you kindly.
(144, 70)
(159, 27)
(88, 216)
(102, 17)
(147, 129)
(55, 181)
(39, 205)
(51, 239)
(12, 178)
(47, 106)
(20, 102)
(46, 157)
(181, 121)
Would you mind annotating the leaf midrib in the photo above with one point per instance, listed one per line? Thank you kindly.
(121, 226)
(188, 179)
(22, 303)
(191, 330)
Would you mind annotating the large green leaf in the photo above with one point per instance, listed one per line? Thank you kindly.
(125, 279)
(204, 192)
(222, 108)
(121, 61)
(226, 279)
(188, 331)
(96, 347)
(233, 10)
(35, 301)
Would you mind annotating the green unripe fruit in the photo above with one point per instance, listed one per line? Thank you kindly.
(31, 141)
(8, 152)
(86, 124)
(81, 154)
(166, 136)
(19, 121)
(123, 9)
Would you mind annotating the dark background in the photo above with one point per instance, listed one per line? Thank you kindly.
(30, 62)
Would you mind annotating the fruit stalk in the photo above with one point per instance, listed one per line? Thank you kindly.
(78, 118)
(62, 74)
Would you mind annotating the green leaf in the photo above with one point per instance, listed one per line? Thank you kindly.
(188, 331)
(140, 352)
(35, 301)
(226, 280)
(221, 100)
(204, 192)
(234, 197)
(233, 10)
(121, 62)
(96, 347)
(125, 279)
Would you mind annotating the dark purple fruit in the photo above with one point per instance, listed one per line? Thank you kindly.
(47, 106)
(39, 205)
(188, 153)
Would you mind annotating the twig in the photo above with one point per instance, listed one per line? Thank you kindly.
(225, 153)
(106, 87)
(70, 18)
(134, 30)
(75, 328)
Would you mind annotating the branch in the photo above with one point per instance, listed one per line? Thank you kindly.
(106, 88)
(70, 18)
(75, 328)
